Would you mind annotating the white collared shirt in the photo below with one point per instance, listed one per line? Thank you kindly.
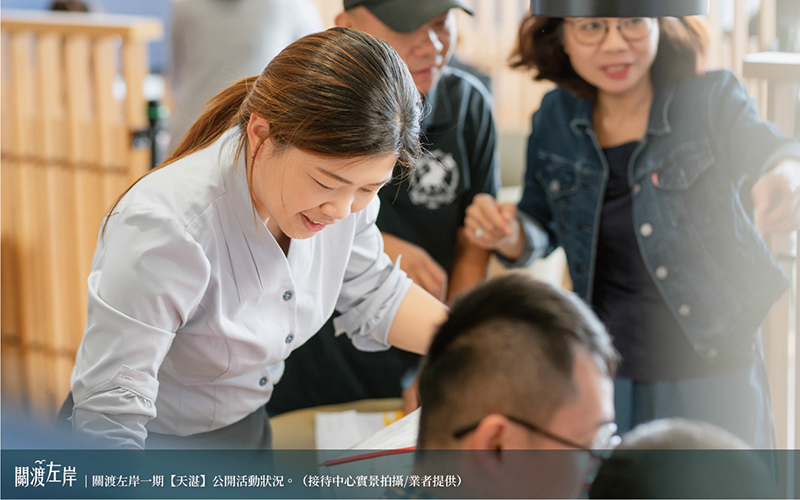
(191, 300)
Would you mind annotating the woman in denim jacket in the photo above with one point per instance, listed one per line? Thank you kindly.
(636, 166)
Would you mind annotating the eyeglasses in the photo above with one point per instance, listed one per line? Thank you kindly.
(591, 31)
(605, 440)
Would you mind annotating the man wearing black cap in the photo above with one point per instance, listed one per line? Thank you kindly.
(422, 32)
(421, 217)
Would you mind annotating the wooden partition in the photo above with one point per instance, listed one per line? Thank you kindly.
(71, 100)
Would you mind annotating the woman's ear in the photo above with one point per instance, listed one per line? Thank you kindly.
(257, 132)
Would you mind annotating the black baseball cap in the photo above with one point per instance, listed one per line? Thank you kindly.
(405, 16)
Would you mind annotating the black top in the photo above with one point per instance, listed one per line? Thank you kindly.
(647, 335)
(458, 162)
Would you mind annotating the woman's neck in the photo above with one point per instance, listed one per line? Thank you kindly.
(280, 237)
(273, 227)
(263, 214)
(622, 118)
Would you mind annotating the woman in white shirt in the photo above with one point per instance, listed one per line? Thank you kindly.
(210, 270)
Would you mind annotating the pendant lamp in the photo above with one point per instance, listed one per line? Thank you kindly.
(618, 8)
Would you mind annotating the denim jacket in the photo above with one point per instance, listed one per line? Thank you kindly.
(704, 141)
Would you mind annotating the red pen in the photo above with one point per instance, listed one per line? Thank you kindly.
(365, 456)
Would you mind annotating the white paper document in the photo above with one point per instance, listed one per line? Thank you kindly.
(343, 430)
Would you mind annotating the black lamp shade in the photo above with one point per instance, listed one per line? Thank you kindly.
(618, 8)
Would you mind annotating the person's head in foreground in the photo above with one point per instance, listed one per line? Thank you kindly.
(323, 127)
(423, 32)
(678, 458)
(520, 365)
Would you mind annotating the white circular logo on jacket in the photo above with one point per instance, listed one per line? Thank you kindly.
(435, 181)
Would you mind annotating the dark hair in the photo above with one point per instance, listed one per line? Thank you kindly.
(680, 434)
(508, 346)
(677, 458)
(682, 46)
(338, 93)
(71, 6)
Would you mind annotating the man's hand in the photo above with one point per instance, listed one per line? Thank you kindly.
(418, 264)
(776, 198)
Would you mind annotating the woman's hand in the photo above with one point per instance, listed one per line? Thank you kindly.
(776, 198)
(494, 226)
(418, 265)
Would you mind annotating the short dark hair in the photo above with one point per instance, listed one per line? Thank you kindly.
(682, 46)
(677, 458)
(507, 347)
(70, 6)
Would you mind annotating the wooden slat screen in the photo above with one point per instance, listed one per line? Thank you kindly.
(71, 98)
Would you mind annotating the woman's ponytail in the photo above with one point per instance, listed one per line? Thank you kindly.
(222, 112)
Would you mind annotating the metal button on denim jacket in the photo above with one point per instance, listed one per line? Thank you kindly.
(704, 140)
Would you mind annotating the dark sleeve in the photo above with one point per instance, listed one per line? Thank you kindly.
(534, 199)
(750, 144)
(480, 140)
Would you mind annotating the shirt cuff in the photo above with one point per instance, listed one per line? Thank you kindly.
(114, 414)
(409, 376)
(788, 150)
(368, 323)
